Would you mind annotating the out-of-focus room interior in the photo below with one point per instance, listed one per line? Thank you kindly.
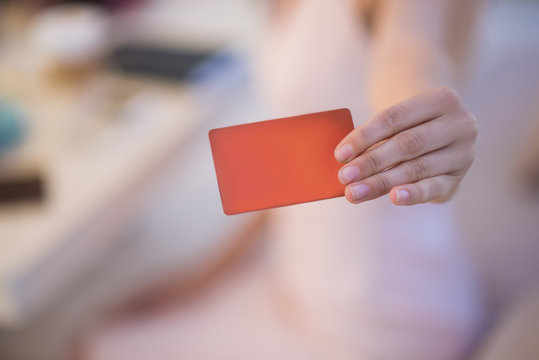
(113, 241)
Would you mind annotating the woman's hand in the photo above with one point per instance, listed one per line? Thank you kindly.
(418, 151)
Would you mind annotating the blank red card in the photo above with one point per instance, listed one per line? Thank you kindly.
(279, 162)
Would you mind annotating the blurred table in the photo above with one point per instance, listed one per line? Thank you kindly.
(104, 142)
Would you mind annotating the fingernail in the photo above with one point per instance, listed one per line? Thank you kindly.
(344, 153)
(348, 174)
(359, 191)
(402, 195)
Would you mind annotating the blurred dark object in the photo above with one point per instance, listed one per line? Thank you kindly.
(171, 64)
(16, 184)
(113, 4)
(119, 3)
(24, 189)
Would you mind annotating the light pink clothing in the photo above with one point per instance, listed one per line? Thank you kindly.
(370, 279)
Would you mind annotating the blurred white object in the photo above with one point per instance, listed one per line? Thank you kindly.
(71, 35)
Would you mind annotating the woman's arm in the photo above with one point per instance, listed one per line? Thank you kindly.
(418, 45)
(420, 144)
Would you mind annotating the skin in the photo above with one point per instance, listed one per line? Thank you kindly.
(418, 150)
(419, 145)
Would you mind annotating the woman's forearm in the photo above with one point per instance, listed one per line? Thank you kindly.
(414, 47)
(402, 71)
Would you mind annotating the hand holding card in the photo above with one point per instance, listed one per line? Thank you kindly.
(279, 162)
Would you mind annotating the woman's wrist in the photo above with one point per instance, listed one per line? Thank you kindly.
(399, 72)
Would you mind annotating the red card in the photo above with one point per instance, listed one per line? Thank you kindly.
(279, 162)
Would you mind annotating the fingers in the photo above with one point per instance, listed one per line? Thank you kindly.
(407, 145)
(409, 113)
(437, 189)
(444, 161)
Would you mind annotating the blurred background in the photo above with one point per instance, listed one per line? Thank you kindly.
(112, 234)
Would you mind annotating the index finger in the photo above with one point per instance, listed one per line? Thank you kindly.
(402, 116)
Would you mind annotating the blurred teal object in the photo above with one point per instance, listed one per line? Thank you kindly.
(11, 126)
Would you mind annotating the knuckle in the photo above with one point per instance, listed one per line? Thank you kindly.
(420, 194)
(410, 142)
(470, 157)
(470, 116)
(469, 125)
(449, 96)
(372, 163)
(383, 185)
(390, 118)
(417, 170)
(436, 190)
(363, 134)
(473, 124)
